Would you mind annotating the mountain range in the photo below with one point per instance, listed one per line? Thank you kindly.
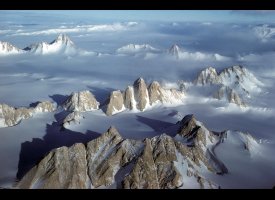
(235, 84)
(177, 160)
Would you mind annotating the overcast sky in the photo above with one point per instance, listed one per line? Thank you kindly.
(151, 15)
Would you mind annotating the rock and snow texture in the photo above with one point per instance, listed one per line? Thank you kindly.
(10, 116)
(141, 94)
(8, 49)
(73, 117)
(236, 82)
(110, 161)
(62, 44)
(81, 101)
(207, 76)
(174, 51)
(115, 103)
(228, 94)
(166, 96)
(139, 97)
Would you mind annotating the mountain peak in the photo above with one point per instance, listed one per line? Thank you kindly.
(208, 75)
(139, 80)
(187, 119)
(174, 50)
(61, 44)
(63, 38)
(81, 101)
(6, 47)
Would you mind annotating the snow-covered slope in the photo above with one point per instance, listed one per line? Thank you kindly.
(228, 94)
(62, 44)
(241, 79)
(8, 49)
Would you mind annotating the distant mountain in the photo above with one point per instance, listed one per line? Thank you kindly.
(139, 97)
(174, 50)
(236, 82)
(8, 49)
(161, 162)
(230, 95)
(62, 44)
(136, 48)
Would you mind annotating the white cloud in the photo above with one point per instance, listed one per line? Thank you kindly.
(81, 28)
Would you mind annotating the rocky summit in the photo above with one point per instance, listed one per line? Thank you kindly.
(115, 103)
(229, 95)
(139, 97)
(236, 83)
(10, 116)
(110, 161)
(6, 48)
(174, 50)
(81, 101)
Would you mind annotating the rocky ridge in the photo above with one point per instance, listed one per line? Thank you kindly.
(139, 97)
(236, 83)
(81, 101)
(110, 161)
(6, 48)
(10, 116)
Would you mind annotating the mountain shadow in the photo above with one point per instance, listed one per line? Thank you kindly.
(58, 98)
(101, 94)
(56, 136)
(156, 125)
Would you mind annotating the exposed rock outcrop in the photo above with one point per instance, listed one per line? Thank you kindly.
(207, 76)
(159, 94)
(230, 95)
(8, 49)
(62, 168)
(73, 117)
(45, 106)
(140, 97)
(115, 103)
(155, 169)
(237, 83)
(129, 99)
(158, 162)
(81, 101)
(198, 140)
(141, 94)
(174, 50)
(10, 116)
